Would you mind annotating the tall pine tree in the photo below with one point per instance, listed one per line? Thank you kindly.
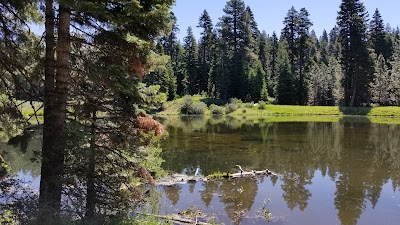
(356, 62)
(191, 62)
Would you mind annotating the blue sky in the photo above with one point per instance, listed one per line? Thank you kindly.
(269, 14)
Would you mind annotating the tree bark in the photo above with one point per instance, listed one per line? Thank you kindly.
(55, 101)
(90, 186)
(353, 97)
(47, 182)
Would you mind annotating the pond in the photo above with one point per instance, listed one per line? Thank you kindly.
(345, 172)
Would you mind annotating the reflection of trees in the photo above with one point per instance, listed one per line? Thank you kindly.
(349, 199)
(238, 196)
(172, 192)
(210, 188)
(360, 156)
(21, 153)
(295, 193)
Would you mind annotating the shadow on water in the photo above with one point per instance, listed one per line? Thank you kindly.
(340, 170)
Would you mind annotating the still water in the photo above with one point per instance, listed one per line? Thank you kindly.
(345, 172)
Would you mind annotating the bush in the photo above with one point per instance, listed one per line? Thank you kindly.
(191, 107)
(231, 107)
(235, 100)
(262, 105)
(249, 105)
(272, 100)
(217, 110)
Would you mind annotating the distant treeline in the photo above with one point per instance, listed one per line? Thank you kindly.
(356, 63)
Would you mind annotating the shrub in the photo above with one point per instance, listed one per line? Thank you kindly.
(248, 105)
(244, 110)
(231, 107)
(217, 110)
(191, 107)
(272, 100)
(235, 100)
(262, 105)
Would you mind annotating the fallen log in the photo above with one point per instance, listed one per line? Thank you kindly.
(175, 179)
(176, 218)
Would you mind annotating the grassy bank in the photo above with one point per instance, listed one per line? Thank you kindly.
(264, 111)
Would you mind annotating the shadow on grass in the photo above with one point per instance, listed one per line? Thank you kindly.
(356, 111)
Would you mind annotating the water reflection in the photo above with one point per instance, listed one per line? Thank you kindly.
(359, 159)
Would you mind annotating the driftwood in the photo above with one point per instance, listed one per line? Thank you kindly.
(184, 179)
(176, 219)
(179, 179)
(253, 173)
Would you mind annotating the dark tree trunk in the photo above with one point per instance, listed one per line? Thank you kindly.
(49, 180)
(56, 93)
(90, 186)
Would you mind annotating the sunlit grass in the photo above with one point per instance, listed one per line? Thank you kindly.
(253, 110)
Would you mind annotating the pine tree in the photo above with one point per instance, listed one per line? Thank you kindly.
(191, 61)
(206, 50)
(264, 55)
(179, 67)
(162, 72)
(356, 62)
(304, 25)
(144, 24)
(334, 47)
(286, 86)
(252, 23)
(232, 29)
(290, 33)
(272, 82)
(380, 88)
(324, 47)
(395, 76)
(379, 40)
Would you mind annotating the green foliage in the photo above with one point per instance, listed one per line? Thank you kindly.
(235, 101)
(249, 105)
(379, 39)
(262, 105)
(191, 62)
(152, 160)
(7, 217)
(380, 88)
(217, 110)
(161, 73)
(231, 107)
(152, 97)
(219, 175)
(191, 107)
(356, 61)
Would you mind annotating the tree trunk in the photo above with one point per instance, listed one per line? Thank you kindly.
(90, 187)
(48, 181)
(353, 97)
(56, 93)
